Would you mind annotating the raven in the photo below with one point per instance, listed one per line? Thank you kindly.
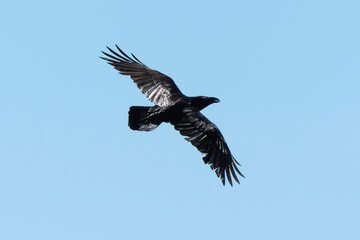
(177, 109)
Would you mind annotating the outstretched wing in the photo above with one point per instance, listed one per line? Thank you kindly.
(207, 138)
(158, 88)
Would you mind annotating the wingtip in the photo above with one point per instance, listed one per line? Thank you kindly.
(223, 181)
(228, 176)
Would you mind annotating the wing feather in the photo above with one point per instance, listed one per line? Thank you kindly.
(207, 138)
(157, 87)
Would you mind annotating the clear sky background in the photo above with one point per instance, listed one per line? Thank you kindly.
(287, 74)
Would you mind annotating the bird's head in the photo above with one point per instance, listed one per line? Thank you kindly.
(202, 102)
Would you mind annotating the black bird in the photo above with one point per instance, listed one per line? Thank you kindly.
(179, 110)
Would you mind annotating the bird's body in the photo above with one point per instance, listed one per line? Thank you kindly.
(177, 109)
(170, 113)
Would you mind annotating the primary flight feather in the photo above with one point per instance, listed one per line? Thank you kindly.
(177, 109)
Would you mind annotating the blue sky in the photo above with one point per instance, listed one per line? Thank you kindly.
(287, 74)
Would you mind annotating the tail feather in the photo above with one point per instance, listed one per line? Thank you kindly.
(140, 119)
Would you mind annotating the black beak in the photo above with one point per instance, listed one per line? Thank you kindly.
(216, 100)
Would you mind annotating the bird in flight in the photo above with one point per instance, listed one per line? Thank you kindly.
(173, 107)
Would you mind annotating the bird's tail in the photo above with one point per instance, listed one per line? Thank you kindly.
(142, 119)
